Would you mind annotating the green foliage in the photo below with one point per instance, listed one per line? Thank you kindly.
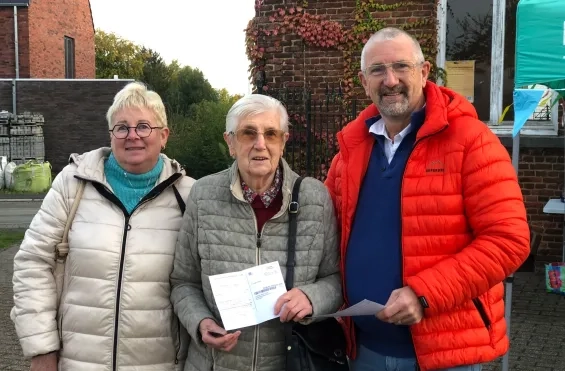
(117, 56)
(156, 73)
(196, 111)
(188, 86)
(179, 86)
(196, 141)
(225, 97)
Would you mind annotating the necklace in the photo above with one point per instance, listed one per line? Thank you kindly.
(135, 189)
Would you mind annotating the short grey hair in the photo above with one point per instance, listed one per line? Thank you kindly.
(391, 33)
(137, 95)
(251, 105)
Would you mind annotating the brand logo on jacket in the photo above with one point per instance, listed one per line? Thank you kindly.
(435, 166)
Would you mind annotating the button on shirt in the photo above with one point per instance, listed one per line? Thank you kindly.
(378, 128)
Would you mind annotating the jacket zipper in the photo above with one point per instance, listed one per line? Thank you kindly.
(61, 330)
(257, 261)
(119, 292)
(104, 191)
(401, 244)
(482, 312)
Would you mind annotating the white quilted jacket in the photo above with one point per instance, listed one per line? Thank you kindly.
(115, 312)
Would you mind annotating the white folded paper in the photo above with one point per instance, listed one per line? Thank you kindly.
(363, 308)
(248, 297)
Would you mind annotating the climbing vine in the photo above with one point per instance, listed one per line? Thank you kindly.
(319, 31)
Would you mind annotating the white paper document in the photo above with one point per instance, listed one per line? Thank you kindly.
(363, 308)
(248, 297)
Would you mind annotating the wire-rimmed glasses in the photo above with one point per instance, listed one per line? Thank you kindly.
(143, 130)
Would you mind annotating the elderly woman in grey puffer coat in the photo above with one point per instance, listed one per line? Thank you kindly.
(237, 219)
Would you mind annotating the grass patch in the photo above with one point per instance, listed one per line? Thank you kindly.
(9, 238)
(14, 192)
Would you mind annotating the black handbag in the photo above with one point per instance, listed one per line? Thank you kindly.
(321, 345)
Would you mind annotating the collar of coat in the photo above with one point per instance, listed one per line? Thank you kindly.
(288, 179)
(90, 165)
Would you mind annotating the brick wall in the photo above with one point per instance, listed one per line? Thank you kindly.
(295, 63)
(74, 113)
(50, 22)
(7, 49)
(542, 174)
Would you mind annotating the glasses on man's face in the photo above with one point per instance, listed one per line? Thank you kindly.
(400, 69)
(142, 130)
(249, 135)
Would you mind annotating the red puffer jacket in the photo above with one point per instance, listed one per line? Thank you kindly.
(464, 227)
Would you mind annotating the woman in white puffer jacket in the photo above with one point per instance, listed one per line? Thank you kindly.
(114, 312)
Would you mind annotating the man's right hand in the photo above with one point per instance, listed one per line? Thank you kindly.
(44, 362)
(216, 337)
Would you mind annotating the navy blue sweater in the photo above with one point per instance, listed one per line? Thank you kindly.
(373, 265)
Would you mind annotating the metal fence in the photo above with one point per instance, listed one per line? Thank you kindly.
(314, 123)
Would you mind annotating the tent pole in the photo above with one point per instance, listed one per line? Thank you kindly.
(509, 281)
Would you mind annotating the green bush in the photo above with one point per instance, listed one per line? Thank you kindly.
(196, 140)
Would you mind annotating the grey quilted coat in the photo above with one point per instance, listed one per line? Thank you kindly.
(219, 235)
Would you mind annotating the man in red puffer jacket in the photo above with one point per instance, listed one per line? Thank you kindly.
(432, 219)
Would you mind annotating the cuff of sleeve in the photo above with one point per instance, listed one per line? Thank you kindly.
(194, 325)
(40, 344)
(421, 290)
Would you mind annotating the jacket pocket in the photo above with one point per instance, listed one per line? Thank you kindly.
(60, 325)
(482, 312)
(176, 335)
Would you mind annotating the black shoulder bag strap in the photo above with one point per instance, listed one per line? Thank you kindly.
(292, 226)
(290, 259)
(180, 201)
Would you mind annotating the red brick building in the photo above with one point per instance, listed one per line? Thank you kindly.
(55, 39)
(289, 41)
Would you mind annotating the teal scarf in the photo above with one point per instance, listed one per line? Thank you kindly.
(130, 188)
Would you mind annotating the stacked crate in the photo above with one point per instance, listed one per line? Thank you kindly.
(5, 118)
(26, 138)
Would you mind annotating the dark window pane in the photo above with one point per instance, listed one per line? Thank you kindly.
(469, 37)
(69, 57)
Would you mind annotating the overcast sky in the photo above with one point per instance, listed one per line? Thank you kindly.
(205, 34)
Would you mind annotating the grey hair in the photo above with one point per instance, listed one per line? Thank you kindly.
(391, 33)
(136, 95)
(251, 105)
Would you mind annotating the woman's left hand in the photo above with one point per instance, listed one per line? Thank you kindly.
(294, 305)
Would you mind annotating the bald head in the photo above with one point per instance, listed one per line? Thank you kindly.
(391, 33)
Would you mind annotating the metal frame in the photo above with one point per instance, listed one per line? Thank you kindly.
(14, 3)
(497, 73)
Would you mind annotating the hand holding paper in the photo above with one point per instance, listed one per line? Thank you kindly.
(402, 308)
(363, 308)
(294, 305)
(248, 297)
(216, 337)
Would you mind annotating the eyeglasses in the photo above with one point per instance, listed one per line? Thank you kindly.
(400, 69)
(248, 135)
(142, 130)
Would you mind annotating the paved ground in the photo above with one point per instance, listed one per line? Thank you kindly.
(11, 358)
(17, 214)
(537, 325)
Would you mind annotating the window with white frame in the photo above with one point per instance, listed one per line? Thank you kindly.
(484, 32)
